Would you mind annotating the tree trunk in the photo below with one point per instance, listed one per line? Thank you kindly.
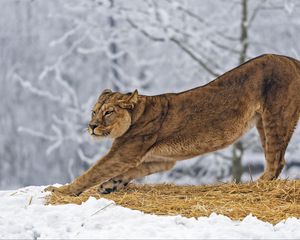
(114, 49)
(238, 147)
(244, 32)
(237, 154)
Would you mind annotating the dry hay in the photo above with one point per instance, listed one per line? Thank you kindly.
(270, 201)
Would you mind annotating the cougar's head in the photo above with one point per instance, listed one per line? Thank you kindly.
(112, 114)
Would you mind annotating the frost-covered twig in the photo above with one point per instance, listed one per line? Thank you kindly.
(66, 35)
(31, 88)
(35, 133)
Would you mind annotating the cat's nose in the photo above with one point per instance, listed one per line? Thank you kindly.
(93, 126)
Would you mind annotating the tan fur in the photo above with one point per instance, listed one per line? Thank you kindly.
(152, 132)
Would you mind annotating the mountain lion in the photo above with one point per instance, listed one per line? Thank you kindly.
(151, 133)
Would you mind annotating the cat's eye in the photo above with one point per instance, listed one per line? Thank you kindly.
(93, 113)
(107, 113)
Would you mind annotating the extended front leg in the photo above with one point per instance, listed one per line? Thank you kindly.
(120, 159)
(142, 170)
(105, 169)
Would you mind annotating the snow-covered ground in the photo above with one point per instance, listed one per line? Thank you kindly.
(23, 215)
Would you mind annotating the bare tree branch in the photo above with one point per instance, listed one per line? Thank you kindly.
(193, 56)
(178, 43)
(255, 12)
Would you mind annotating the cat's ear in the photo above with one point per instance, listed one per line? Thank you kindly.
(106, 91)
(131, 101)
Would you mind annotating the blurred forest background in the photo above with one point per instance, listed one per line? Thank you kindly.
(57, 56)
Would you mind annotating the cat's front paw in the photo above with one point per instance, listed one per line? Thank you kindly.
(112, 186)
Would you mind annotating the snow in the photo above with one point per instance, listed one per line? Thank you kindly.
(23, 215)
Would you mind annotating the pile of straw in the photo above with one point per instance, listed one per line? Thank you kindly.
(270, 201)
